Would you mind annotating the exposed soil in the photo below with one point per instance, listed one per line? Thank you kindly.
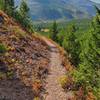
(24, 66)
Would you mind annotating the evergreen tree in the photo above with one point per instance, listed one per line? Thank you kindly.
(72, 45)
(24, 9)
(54, 32)
(62, 37)
(92, 51)
(95, 44)
(1, 4)
(88, 72)
(7, 6)
(22, 16)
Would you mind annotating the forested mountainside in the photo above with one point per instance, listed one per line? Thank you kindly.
(60, 9)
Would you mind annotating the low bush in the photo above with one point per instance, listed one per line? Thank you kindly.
(66, 82)
(2, 48)
(63, 81)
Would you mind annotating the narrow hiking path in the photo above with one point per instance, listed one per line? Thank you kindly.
(53, 88)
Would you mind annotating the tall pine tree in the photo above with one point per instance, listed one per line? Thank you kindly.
(54, 32)
(7, 6)
(88, 72)
(22, 16)
(71, 44)
(92, 51)
(1, 4)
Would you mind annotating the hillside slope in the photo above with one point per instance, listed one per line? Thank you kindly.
(24, 63)
(29, 64)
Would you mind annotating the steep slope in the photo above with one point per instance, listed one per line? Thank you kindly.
(61, 9)
(24, 63)
(29, 65)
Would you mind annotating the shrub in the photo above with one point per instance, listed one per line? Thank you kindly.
(63, 81)
(36, 98)
(2, 48)
(10, 74)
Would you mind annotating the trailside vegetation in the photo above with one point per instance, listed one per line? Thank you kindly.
(20, 14)
(84, 53)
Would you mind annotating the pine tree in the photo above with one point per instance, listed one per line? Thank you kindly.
(22, 16)
(61, 37)
(88, 72)
(7, 6)
(54, 31)
(93, 50)
(72, 45)
(23, 13)
(1, 4)
(24, 9)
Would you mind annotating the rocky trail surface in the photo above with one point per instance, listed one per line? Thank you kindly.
(54, 91)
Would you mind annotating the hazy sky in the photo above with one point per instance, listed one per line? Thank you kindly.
(97, 1)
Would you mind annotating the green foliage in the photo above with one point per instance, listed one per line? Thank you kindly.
(91, 48)
(24, 9)
(22, 16)
(88, 78)
(61, 38)
(82, 45)
(7, 6)
(71, 44)
(54, 32)
(2, 48)
(1, 4)
(84, 53)
(83, 76)
(88, 72)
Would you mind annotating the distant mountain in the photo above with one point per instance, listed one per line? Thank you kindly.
(61, 9)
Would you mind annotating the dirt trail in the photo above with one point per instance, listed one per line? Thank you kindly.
(53, 88)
